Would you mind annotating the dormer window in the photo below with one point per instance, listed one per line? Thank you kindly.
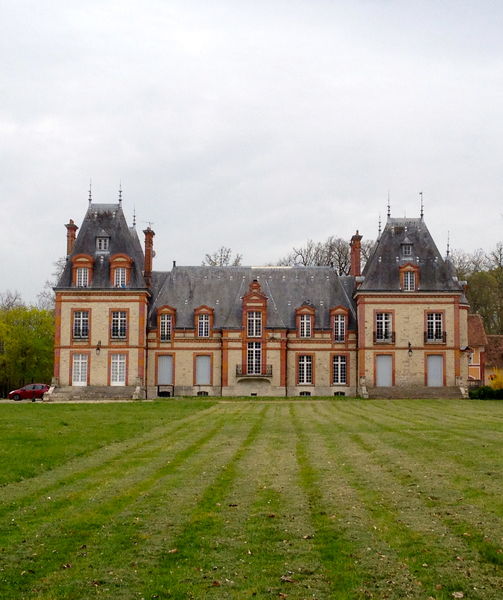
(406, 249)
(102, 244)
(339, 324)
(409, 277)
(82, 270)
(203, 321)
(304, 319)
(306, 326)
(120, 277)
(120, 270)
(82, 276)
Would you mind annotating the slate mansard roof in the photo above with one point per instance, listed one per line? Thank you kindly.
(381, 273)
(106, 220)
(222, 288)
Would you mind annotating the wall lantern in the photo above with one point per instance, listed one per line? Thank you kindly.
(410, 349)
(98, 348)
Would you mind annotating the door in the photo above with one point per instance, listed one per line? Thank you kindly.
(384, 370)
(435, 370)
(118, 369)
(79, 369)
(165, 370)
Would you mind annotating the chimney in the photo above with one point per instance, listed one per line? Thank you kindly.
(71, 233)
(356, 247)
(149, 255)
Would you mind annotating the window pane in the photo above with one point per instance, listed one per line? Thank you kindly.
(305, 369)
(203, 325)
(339, 328)
(254, 358)
(165, 326)
(254, 325)
(305, 325)
(339, 370)
(119, 324)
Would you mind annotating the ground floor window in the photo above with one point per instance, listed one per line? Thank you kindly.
(79, 369)
(305, 369)
(118, 369)
(203, 370)
(339, 369)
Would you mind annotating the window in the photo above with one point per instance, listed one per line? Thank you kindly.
(165, 326)
(407, 249)
(120, 274)
(82, 277)
(203, 325)
(254, 327)
(409, 281)
(304, 393)
(118, 369)
(119, 324)
(305, 326)
(81, 324)
(383, 331)
(434, 328)
(254, 358)
(339, 328)
(102, 243)
(305, 369)
(339, 370)
(203, 370)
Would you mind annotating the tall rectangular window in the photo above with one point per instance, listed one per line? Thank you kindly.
(119, 324)
(339, 370)
(254, 358)
(409, 281)
(203, 325)
(305, 369)
(120, 277)
(383, 331)
(305, 326)
(203, 370)
(434, 327)
(254, 323)
(82, 277)
(81, 324)
(339, 328)
(165, 326)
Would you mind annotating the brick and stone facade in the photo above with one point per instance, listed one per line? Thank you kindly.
(399, 327)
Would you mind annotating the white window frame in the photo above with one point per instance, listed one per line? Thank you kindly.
(254, 358)
(305, 326)
(80, 369)
(120, 277)
(254, 323)
(305, 369)
(102, 244)
(434, 327)
(118, 325)
(409, 281)
(339, 328)
(118, 369)
(384, 327)
(339, 369)
(203, 325)
(82, 276)
(165, 327)
(407, 249)
(80, 327)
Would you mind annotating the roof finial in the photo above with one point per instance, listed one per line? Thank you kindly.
(120, 192)
(448, 244)
(379, 230)
(389, 207)
(134, 216)
(422, 205)
(90, 191)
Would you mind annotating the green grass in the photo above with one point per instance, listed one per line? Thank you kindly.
(315, 499)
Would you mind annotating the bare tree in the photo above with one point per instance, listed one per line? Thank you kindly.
(222, 258)
(10, 299)
(333, 252)
(45, 298)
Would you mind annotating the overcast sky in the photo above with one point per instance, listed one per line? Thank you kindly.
(255, 125)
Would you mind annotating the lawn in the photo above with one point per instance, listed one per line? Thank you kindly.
(317, 499)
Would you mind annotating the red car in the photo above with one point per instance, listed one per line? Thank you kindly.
(31, 391)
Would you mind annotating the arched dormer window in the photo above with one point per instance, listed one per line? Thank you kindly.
(304, 321)
(409, 277)
(203, 321)
(166, 319)
(120, 270)
(339, 324)
(82, 270)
